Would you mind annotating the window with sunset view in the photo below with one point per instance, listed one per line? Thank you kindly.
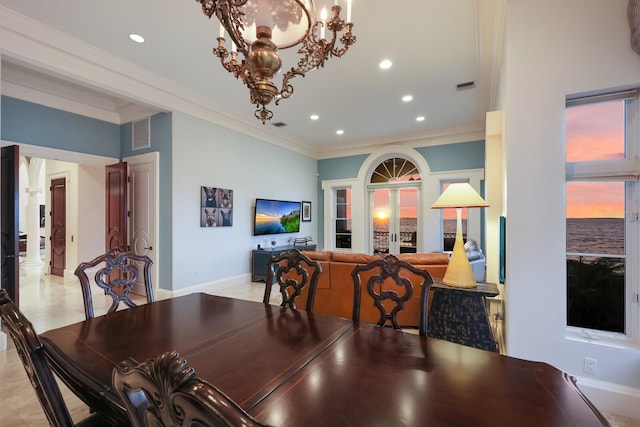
(343, 219)
(601, 212)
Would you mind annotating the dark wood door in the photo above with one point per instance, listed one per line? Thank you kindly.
(58, 225)
(117, 206)
(9, 219)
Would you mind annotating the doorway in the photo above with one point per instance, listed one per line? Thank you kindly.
(394, 193)
(394, 219)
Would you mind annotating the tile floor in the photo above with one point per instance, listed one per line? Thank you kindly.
(50, 302)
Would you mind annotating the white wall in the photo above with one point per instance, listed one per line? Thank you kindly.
(554, 48)
(206, 154)
(90, 212)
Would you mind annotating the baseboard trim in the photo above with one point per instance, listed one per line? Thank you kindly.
(613, 398)
(207, 287)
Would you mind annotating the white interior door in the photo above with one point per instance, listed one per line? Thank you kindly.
(144, 212)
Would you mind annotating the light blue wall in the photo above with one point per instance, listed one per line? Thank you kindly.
(441, 158)
(160, 140)
(459, 156)
(36, 124)
(206, 154)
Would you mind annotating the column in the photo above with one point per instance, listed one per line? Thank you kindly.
(33, 258)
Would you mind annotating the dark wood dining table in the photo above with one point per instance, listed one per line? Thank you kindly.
(293, 368)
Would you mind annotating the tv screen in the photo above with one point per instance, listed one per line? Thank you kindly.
(276, 217)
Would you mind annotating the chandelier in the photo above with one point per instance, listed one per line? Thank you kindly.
(258, 28)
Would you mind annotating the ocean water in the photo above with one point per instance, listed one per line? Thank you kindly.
(596, 235)
(584, 235)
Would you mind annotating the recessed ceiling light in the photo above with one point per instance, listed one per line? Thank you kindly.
(386, 64)
(420, 119)
(407, 98)
(339, 132)
(314, 117)
(136, 38)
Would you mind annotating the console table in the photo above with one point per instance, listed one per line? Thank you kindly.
(260, 257)
(460, 315)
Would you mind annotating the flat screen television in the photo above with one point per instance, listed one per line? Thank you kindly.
(276, 217)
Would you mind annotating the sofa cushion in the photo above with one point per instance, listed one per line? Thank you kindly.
(353, 258)
(318, 255)
(433, 258)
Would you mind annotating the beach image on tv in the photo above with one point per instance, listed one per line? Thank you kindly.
(276, 216)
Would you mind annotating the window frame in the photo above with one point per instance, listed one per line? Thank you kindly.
(330, 189)
(626, 169)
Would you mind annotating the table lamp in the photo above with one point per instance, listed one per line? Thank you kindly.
(459, 195)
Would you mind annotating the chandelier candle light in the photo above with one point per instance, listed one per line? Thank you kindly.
(459, 195)
(258, 28)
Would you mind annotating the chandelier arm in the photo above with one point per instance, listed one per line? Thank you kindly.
(287, 89)
(232, 65)
(209, 6)
(346, 40)
(231, 19)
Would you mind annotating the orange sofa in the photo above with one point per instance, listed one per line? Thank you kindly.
(334, 295)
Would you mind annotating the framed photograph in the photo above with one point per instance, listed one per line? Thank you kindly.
(306, 211)
(216, 207)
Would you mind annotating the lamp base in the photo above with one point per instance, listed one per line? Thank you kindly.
(459, 273)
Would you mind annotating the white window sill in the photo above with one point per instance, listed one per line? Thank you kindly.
(606, 339)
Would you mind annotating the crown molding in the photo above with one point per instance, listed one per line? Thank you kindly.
(439, 137)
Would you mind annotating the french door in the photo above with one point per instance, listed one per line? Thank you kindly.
(394, 219)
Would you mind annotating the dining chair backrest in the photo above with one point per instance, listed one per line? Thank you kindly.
(291, 272)
(34, 359)
(165, 391)
(117, 275)
(385, 277)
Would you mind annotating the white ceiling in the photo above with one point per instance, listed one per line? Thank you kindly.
(77, 56)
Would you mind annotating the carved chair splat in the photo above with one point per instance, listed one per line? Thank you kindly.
(34, 359)
(117, 278)
(390, 269)
(287, 270)
(166, 392)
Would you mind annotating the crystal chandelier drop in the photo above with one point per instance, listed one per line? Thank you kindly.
(258, 28)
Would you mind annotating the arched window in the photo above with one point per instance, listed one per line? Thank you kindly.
(395, 169)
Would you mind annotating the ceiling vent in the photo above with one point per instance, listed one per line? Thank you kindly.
(141, 132)
(466, 85)
(279, 124)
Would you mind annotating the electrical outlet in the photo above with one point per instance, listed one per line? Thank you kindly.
(590, 365)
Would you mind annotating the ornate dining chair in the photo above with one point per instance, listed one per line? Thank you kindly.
(35, 362)
(291, 271)
(166, 392)
(117, 277)
(382, 272)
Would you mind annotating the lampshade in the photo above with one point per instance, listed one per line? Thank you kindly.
(459, 195)
(289, 20)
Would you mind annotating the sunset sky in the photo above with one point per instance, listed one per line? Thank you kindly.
(595, 132)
